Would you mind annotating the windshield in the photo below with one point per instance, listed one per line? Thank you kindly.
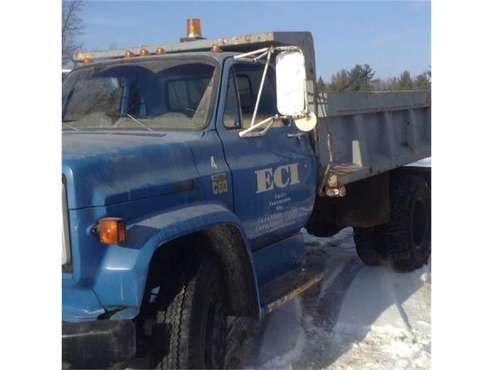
(145, 95)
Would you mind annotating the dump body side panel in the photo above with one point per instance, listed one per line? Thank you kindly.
(363, 134)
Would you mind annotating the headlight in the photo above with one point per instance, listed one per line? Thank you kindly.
(66, 258)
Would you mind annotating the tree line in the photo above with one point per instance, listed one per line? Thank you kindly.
(362, 78)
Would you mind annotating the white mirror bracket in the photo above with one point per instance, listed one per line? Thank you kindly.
(307, 118)
(252, 130)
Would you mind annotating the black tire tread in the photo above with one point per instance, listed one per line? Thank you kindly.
(368, 243)
(176, 316)
(403, 190)
(172, 317)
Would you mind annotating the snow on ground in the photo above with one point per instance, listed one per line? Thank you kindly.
(425, 162)
(358, 317)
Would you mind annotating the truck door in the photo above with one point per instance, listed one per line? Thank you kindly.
(274, 175)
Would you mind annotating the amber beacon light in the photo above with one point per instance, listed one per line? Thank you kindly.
(111, 230)
(193, 28)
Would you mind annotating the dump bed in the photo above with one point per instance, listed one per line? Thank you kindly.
(363, 134)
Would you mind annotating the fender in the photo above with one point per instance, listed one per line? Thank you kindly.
(122, 277)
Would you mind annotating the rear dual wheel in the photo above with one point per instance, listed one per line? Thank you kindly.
(406, 239)
(369, 245)
(408, 234)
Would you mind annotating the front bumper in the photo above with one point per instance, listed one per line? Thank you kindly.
(97, 344)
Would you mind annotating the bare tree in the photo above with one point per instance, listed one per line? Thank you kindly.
(72, 26)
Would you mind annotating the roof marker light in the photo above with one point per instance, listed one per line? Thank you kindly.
(216, 48)
(82, 57)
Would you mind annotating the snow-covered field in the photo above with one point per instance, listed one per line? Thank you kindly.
(358, 318)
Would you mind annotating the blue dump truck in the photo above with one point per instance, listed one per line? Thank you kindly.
(189, 172)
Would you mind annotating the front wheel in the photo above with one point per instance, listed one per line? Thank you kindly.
(190, 326)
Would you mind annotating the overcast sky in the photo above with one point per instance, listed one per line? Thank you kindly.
(390, 36)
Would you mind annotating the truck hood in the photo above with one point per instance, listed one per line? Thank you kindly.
(106, 168)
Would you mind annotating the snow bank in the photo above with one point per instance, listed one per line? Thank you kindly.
(357, 318)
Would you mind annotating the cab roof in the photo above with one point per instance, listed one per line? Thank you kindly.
(204, 55)
(242, 43)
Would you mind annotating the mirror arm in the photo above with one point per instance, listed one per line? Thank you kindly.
(261, 88)
(250, 53)
(250, 132)
(256, 59)
(255, 56)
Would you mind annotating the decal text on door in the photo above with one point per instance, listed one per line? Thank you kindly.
(281, 177)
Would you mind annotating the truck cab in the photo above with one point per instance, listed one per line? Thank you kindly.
(152, 143)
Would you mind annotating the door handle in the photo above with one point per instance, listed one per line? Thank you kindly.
(297, 134)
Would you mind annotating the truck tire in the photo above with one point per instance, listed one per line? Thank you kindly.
(322, 229)
(408, 234)
(369, 245)
(190, 327)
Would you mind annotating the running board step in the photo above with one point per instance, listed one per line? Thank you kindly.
(289, 286)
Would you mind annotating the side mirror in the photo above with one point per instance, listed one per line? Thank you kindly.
(291, 89)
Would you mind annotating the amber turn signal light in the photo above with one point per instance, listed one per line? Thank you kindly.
(111, 230)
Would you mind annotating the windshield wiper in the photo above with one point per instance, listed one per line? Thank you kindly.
(140, 123)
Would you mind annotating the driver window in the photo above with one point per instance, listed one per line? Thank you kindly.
(248, 78)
